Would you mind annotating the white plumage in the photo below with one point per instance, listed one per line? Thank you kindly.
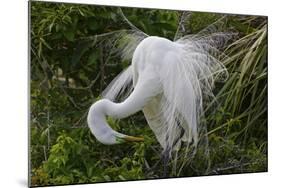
(170, 80)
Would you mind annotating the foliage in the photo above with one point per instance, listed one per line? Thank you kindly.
(68, 73)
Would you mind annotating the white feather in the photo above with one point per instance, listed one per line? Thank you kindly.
(186, 70)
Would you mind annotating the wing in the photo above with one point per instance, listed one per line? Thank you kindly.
(187, 77)
(174, 115)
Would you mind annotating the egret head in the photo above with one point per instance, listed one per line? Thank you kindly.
(126, 138)
(105, 137)
(112, 137)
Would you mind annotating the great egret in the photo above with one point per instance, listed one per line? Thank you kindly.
(169, 82)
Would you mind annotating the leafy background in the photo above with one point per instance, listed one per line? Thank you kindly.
(68, 74)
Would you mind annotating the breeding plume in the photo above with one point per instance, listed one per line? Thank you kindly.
(169, 80)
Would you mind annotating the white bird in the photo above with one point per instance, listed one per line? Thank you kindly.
(170, 80)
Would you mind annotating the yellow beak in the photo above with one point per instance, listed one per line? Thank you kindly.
(133, 139)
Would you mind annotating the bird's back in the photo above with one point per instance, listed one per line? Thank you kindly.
(152, 51)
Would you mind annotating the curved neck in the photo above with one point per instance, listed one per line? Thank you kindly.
(121, 110)
(97, 120)
(102, 108)
(97, 115)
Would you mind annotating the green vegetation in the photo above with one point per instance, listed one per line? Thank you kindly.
(68, 73)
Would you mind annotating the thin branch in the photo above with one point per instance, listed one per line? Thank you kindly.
(181, 28)
(80, 119)
(231, 167)
(45, 64)
(130, 23)
(87, 87)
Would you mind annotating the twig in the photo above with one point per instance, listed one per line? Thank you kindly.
(181, 27)
(80, 119)
(231, 167)
(130, 23)
(63, 89)
(45, 154)
(101, 69)
(48, 131)
(87, 87)
(44, 64)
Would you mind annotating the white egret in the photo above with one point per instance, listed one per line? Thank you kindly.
(170, 80)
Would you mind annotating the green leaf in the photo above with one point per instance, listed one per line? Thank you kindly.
(92, 58)
(122, 178)
(69, 35)
(107, 178)
(93, 24)
(79, 51)
(45, 43)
